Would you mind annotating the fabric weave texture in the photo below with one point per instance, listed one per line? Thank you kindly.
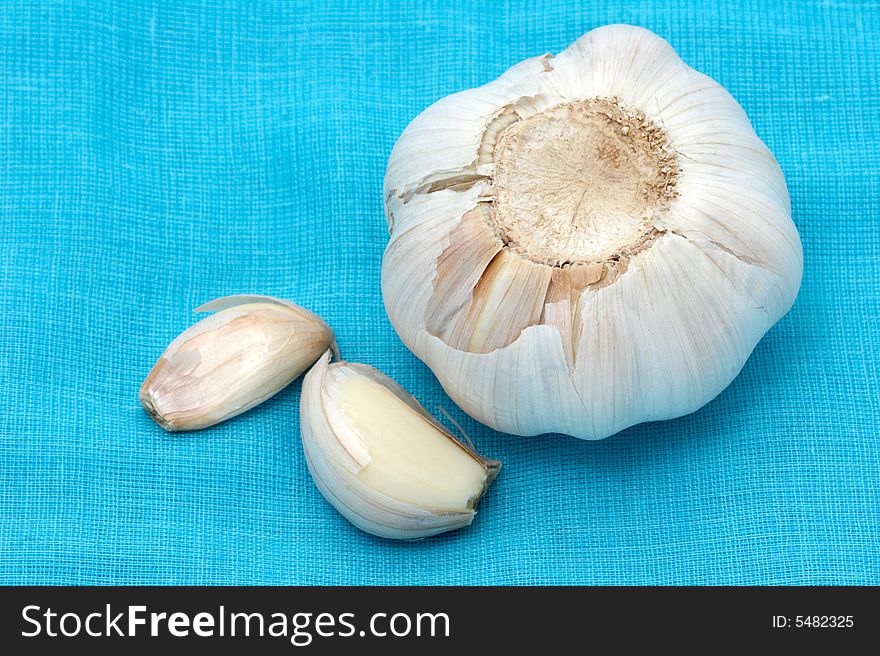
(156, 155)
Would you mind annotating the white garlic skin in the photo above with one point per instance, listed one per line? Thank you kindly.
(335, 454)
(677, 325)
(249, 350)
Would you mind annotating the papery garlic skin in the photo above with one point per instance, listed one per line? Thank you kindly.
(591, 241)
(407, 499)
(233, 360)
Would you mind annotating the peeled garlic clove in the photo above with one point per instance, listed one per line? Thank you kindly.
(590, 241)
(227, 363)
(381, 460)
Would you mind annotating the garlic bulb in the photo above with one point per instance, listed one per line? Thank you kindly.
(593, 240)
(381, 460)
(227, 363)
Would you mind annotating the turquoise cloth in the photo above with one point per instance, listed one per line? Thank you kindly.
(154, 156)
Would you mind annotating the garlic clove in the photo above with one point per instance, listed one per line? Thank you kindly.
(381, 460)
(231, 361)
(593, 240)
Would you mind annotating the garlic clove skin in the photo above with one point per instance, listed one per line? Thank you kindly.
(593, 240)
(249, 350)
(381, 460)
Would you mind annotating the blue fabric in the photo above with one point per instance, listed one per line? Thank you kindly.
(154, 156)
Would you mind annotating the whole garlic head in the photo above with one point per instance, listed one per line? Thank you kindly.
(590, 241)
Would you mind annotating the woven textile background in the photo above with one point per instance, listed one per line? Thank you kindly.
(156, 155)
